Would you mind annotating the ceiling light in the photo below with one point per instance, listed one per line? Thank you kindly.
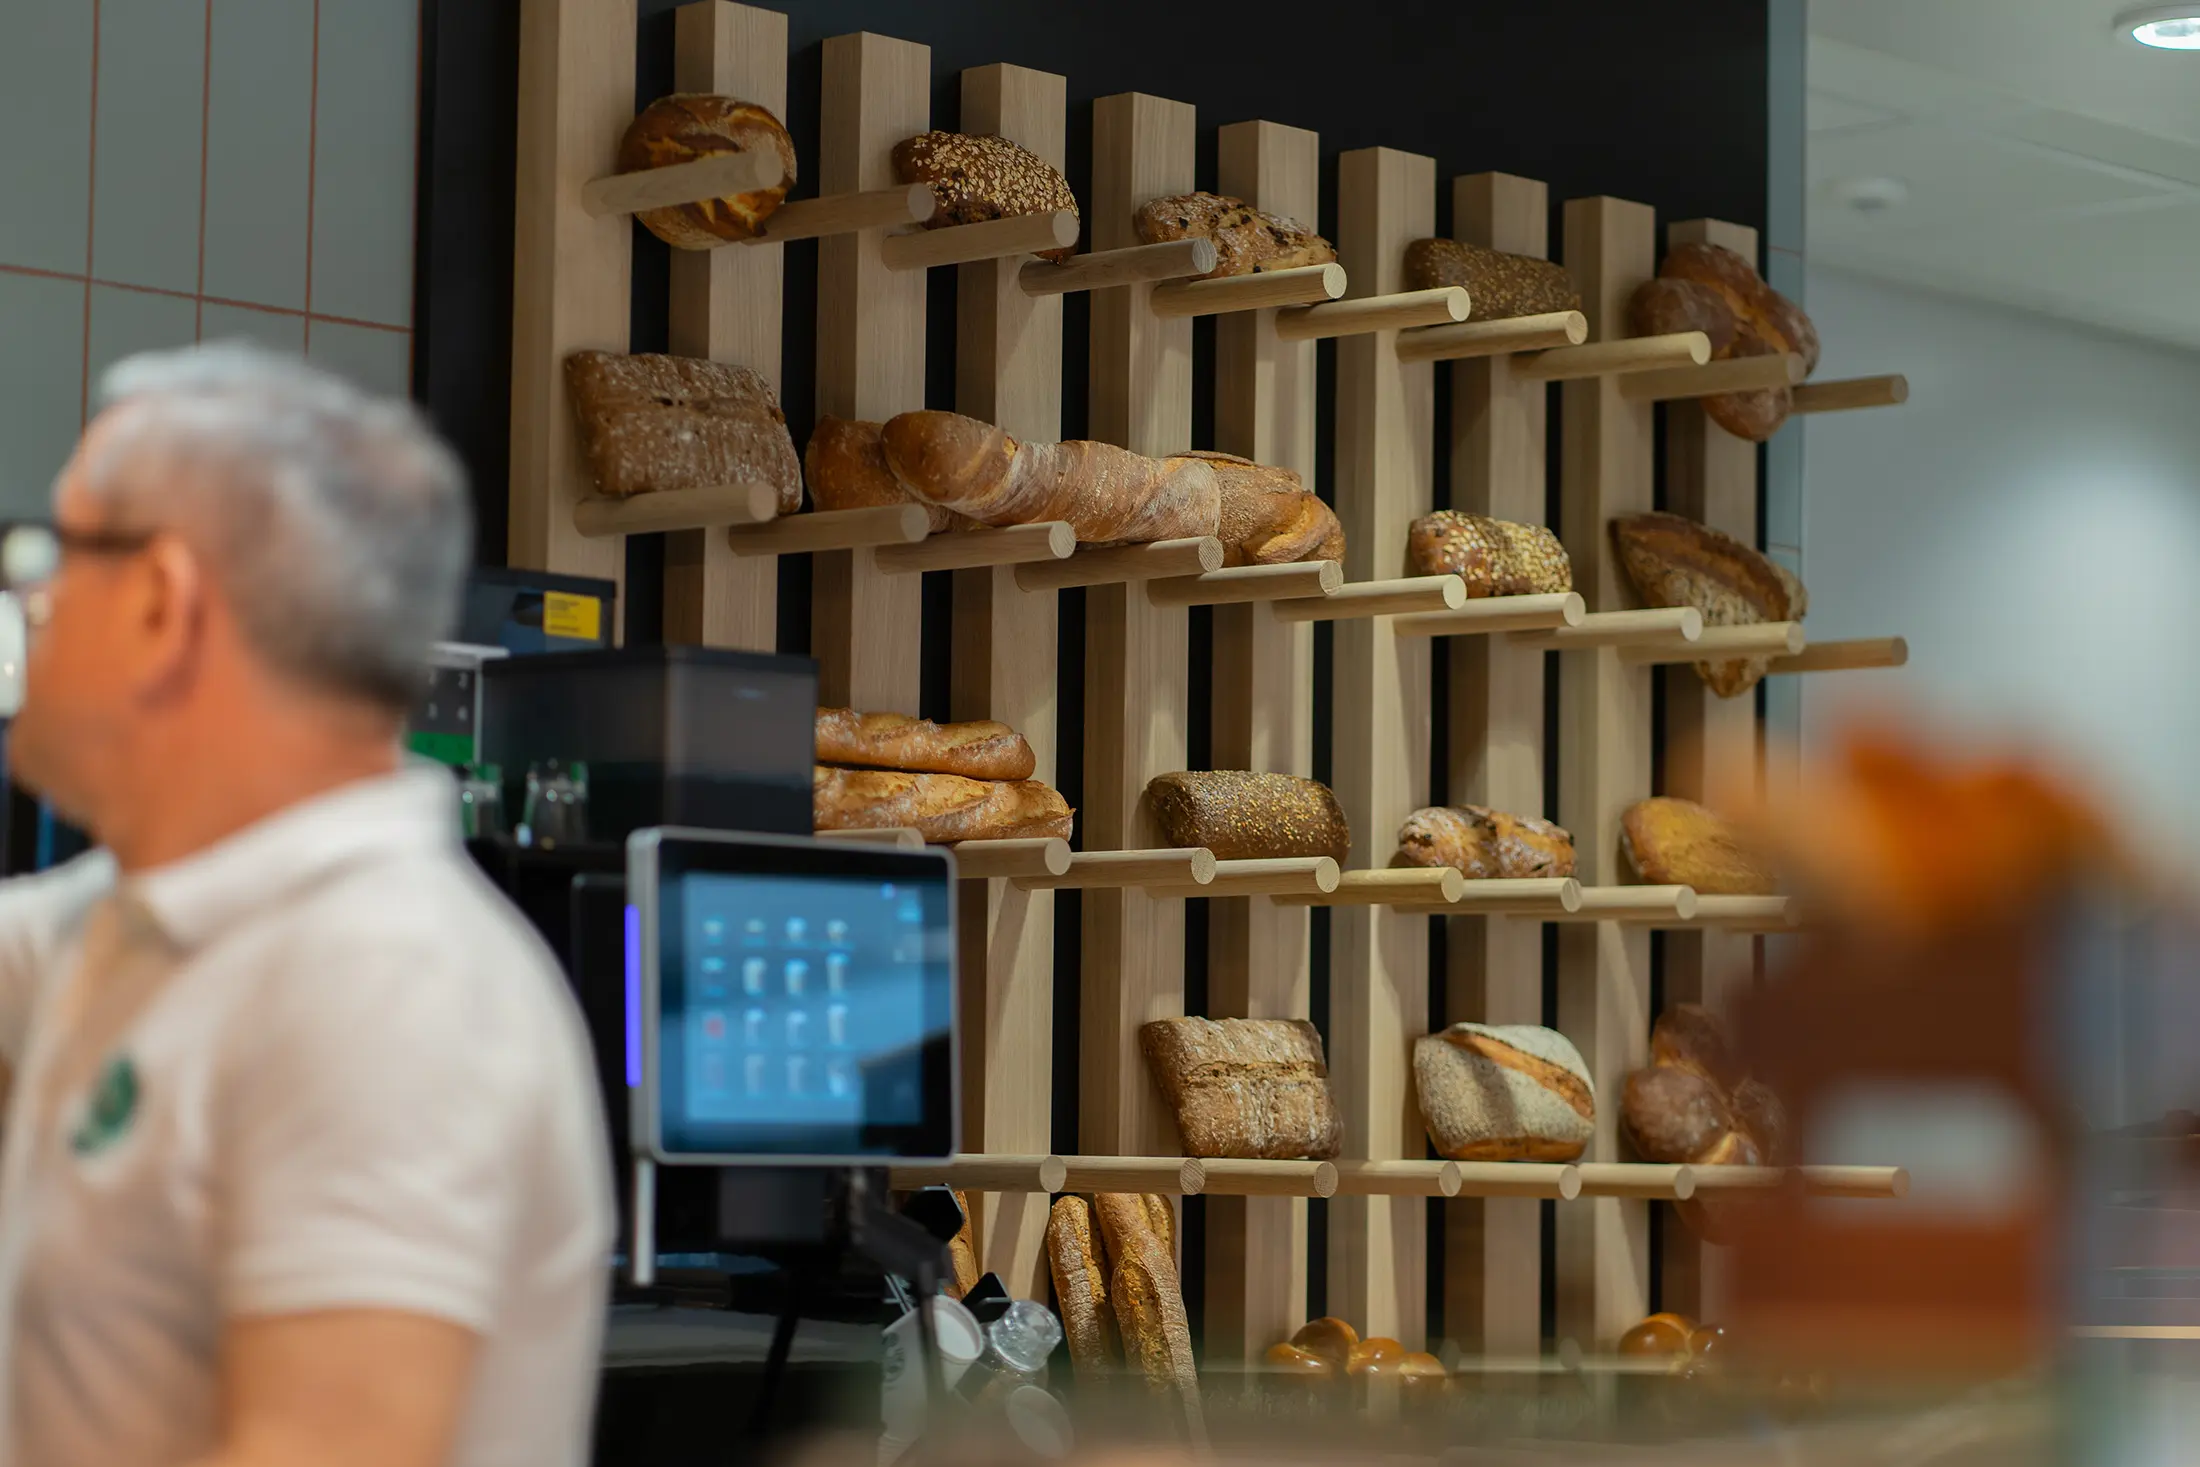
(1870, 195)
(2164, 27)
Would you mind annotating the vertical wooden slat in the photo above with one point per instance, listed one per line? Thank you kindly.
(569, 271)
(1259, 966)
(1136, 697)
(1603, 1259)
(866, 627)
(1379, 965)
(1008, 370)
(725, 305)
(1710, 742)
(1494, 1247)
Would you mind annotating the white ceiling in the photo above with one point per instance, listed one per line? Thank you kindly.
(2050, 163)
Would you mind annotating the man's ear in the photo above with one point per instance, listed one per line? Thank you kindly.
(173, 613)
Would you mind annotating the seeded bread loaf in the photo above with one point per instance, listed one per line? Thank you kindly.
(1269, 516)
(1242, 815)
(1495, 557)
(1255, 1088)
(692, 125)
(982, 749)
(653, 422)
(943, 807)
(1672, 842)
(976, 177)
(1512, 1092)
(1486, 845)
(1674, 561)
(1246, 239)
(1498, 285)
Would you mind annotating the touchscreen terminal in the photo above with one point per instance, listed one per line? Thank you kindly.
(796, 999)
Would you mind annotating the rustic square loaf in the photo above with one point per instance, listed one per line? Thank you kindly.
(1254, 1088)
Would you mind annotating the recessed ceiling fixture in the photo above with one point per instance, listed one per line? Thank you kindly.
(1870, 195)
(2164, 27)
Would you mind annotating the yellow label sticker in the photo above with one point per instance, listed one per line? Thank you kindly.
(567, 615)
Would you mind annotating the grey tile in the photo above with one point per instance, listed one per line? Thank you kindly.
(46, 107)
(41, 386)
(363, 161)
(259, 126)
(380, 361)
(268, 328)
(152, 63)
(125, 322)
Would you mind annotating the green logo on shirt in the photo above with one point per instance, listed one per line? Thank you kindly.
(108, 1113)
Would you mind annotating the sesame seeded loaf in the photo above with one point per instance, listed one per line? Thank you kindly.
(652, 422)
(977, 177)
(1494, 557)
(1254, 1088)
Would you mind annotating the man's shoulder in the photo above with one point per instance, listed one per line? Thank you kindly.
(38, 911)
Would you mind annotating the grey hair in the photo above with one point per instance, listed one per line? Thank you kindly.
(337, 523)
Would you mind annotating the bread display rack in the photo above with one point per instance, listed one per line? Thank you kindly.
(572, 274)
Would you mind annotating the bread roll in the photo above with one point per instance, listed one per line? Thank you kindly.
(1485, 844)
(1499, 285)
(692, 125)
(651, 423)
(1512, 1092)
(1672, 842)
(1241, 815)
(1423, 1374)
(1331, 1339)
(1290, 1360)
(1660, 1334)
(1255, 1088)
(1269, 516)
(1709, 288)
(1246, 239)
(1371, 1355)
(1494, 557)
(1676, 562)
(978, 750)
(977, 176)
(1081, 1288)
(845, 464)
(943, 807)
(1108, 495)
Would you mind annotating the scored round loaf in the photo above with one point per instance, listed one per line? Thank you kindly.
(976, 177)
(1673, 1116)
(979, 749)
(1251, 1088)
(1688, 1036)
(1247, 240)
(1269, 516)
(1504, 1092)
(1494, 557)
(691, 125)
(1675, 842)
(1674, 561)
(1710, 288)
(1241, 815)
(1499, 285)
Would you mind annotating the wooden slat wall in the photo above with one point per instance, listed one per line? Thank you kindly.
(1603, 1258)
(1259, 964)
(1494, 1247)
(725, 305)
(1008, 370)
(867, 628)
(1379, 958)
(1136, 693)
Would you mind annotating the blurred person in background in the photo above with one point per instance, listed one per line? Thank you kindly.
(303, 1161)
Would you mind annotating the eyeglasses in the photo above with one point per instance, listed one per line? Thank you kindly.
(30, 557)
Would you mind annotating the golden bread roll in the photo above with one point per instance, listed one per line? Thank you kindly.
(1660, 1334)
(1330, 1338)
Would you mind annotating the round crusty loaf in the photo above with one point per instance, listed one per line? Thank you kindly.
(1710, 288)
(1511, 1092)
(976, 177)
(691, 125)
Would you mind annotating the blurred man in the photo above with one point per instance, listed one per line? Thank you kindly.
(303, 1159)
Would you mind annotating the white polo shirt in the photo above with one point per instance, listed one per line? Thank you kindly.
(320, 1065)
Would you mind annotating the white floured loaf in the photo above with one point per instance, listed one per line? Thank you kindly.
(1511, 1092)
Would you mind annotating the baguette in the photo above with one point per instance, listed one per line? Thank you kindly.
(1269, 516)
(1255, 1088)
(1109, 495)
(978, 750)
(1241, 815)
(942, 807)
(1149, 1302)
(1484, 844)
(846, 466)
(962, 1254)
(1081, 1288)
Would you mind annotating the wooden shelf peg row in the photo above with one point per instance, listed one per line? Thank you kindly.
(1238, 584)
(1493, 338)
(1852, 393)
(1113, 564)
(1157, 870)
(1614, 358)
(879, 208)
(1765, 639)
(1170, 260)
(1736, 374)
(718, 176)
(833, 529)
(1847, 656)
(719, 507)
(1445, 306)
(974, 549)
(1659, 626)
(1306, 285)
(994, 239)
(1484, 616)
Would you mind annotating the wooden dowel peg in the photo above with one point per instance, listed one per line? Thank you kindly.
(1735, 374)
(1307, 285)
(900, 837)
(1611, 358)
(994, 239)
(1547, 896)
(1744, 913)
(1270, 876)
(1765, 639)
(1493, 338)
(1855, 1181)
(1851, 393)
(1406, 595)
(1039, 856)
(983, 1174)
(1491, 614)
(1232, 1177)
(1637, 1179)
(1170, 260)
(1176, 1176)
(1104, 565)
(1393, 886)
(719, 176)
(713, 508)
(1559, 1180)
(1849, 656)
(1397, 1178)
(970, 549)
(879, 208)
(1445, 306)
(1240, 583)
(1621, 629)
(1165, 869)
(1648, 905)
(833, 529)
